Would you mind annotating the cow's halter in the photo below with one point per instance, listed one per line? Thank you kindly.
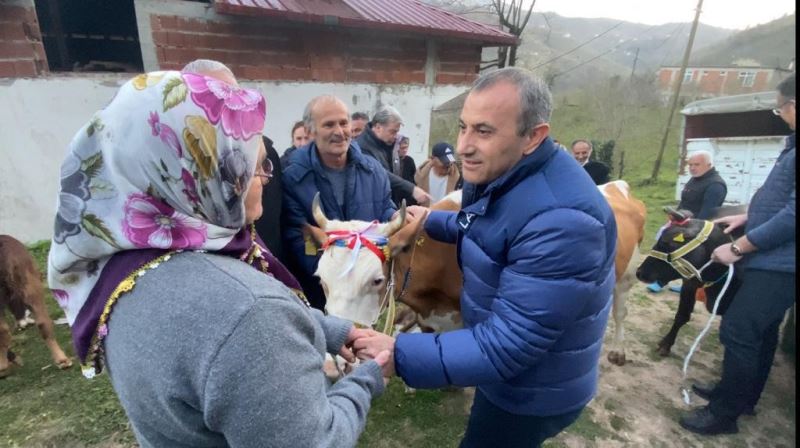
(675, 258)
(356, 239)
(378, 244)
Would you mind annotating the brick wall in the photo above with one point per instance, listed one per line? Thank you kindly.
(259, 49)
(21, 50)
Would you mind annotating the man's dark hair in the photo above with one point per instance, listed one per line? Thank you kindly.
(787, 87)
(359, 116)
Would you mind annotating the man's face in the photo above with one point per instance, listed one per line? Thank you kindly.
(331, 128)
(403, 149)
(489, 143)
(387, 133)
(698, 165)
(357, 127)
(581, 151)
(787, 110)
(299, 137)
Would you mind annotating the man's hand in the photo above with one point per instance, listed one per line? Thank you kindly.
(415, 212)
(421, 197)
(732, 222)
(373, 345)
(723, 254)
(386, 361)
(346, 351)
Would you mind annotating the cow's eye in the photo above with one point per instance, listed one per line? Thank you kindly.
(378, 281)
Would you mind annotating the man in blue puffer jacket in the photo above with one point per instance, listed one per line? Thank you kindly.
(767, 252)
(536, 243)
(351, 186)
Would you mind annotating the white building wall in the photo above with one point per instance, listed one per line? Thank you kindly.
(40, 116)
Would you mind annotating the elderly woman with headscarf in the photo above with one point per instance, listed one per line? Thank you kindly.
(165, 285)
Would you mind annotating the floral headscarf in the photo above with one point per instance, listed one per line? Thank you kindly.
(163, 167)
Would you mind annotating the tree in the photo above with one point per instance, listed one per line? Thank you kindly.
(513, 18)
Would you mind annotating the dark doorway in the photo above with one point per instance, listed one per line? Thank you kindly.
(90, 35)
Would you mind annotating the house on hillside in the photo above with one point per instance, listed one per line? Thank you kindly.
(713, 81)
(61, 60)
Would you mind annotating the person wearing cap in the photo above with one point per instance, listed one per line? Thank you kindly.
(439, 174)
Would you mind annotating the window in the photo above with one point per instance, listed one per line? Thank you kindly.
(90, 35)
(748, 78)
(687, 75)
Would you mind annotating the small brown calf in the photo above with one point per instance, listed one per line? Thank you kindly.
(21, 289)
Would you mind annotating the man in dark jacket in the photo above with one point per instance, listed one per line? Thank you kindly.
(268, 225)
(706, 190)
(351, 186)
(536, 243)
(702, 195)
(766, 255)
(582, 151)
(378, 140)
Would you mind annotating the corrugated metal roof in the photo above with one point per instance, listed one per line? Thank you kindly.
(401, 15)
(731, 104)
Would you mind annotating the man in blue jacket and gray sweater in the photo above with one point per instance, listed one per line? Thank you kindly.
(351, 186)
(536, 243)
(766, 256)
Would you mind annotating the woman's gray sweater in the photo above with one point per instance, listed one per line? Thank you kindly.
(207, 351)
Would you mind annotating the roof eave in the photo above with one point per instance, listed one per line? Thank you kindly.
(484, 39)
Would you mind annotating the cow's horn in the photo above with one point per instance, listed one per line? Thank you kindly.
(319, 215)
(397, 223)
(675, 215)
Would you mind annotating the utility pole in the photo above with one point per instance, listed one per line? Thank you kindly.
(635, 60)
(675, 96)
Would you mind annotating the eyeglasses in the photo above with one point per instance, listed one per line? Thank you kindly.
(264, 171)
(777, 110)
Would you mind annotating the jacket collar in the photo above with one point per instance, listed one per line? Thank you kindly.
(372, 139)
(477, 197)
(355, 158)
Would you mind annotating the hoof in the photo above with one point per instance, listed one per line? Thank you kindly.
(616, 358)
(409, 390)
(663, 350)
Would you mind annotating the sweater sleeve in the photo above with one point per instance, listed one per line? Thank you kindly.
(335, 329)
(712, 198)
(541, 290)
(404, 187)
(282, 397)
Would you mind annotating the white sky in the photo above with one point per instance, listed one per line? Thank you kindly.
(735, 14)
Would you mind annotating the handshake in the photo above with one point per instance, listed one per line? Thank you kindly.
(366, 344)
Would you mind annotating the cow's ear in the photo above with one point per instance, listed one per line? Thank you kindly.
(314, 235)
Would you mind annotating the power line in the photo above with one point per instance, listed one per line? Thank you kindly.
(605, 52)
(579, 46)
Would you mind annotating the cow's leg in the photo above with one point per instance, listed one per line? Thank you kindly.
(682, 316)
(617, 353)
(35, 301)
(5, 346)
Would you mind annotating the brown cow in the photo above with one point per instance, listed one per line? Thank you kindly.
(430, 280)
(21, 289)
